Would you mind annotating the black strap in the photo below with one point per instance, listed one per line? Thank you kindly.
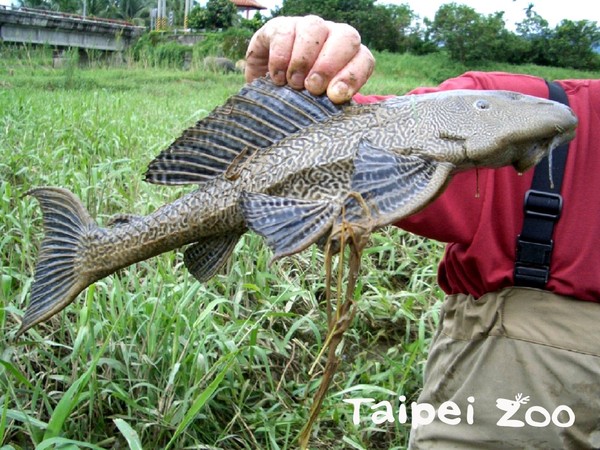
(543, 206)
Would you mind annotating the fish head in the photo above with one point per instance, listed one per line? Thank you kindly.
(494, 128)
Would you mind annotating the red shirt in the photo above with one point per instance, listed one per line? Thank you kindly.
(481, 232)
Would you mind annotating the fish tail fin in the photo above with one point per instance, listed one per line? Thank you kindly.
(56, 281)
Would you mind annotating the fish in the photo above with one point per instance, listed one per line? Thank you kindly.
(292, 167)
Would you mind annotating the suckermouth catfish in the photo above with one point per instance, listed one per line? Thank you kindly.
(292, 166)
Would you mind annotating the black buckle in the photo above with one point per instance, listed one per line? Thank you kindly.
(536, 253)
(531, 276)
(532, 268)
(546, 205)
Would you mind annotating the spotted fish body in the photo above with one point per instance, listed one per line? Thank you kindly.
(289, 165)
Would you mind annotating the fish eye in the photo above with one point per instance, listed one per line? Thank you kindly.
(482, 104)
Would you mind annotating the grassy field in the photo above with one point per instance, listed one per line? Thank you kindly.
(150, 358)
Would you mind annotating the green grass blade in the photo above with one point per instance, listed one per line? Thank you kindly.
(16, 373)
(3, 418)
(204, 396)
(129, 434)
(65, 444)
(22, 417)
(66, 404)
(71, 398)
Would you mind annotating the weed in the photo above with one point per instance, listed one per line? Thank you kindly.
(150, 358)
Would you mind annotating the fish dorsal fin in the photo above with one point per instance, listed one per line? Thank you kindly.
(260, 115)
(289, 225)
(393, 185)
(204, 258)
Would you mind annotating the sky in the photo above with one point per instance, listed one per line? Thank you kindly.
(514, 10)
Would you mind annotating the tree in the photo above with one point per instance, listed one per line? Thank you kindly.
(70, 6)
(534, 34)
(221, 13)
(198, 18)
(382, 27)
(327, 9)
(125, 9)
(378, 30)
(571, 45)
(255, 23)
(469, 36)
(533, 25)
(97, 8)
(113, 9)
(39, 4)
(494, 39)
(217, 14)
(403, 18)
(449, 28)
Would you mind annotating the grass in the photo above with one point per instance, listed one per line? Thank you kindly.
(150, 358)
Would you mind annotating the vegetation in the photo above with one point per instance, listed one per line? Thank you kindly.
(137, 11)
(155, 49)
(231, 43)
(468, 37)
(382, 27)
(150, 358)
(216, 14)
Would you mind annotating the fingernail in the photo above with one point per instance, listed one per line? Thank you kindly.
(297, 80)
(340, 92)
(279, 77)
(315, 83)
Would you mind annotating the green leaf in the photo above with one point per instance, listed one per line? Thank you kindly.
(15, 373)
(204, 396)
(129, 434)
(22, 417)
(71, 398)
(65, 444)
(3, 418)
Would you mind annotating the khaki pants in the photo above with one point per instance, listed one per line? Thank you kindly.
(522, 367)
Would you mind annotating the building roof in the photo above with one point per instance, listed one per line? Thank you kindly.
(248, 4)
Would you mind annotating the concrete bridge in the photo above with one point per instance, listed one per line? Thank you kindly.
(33, 26)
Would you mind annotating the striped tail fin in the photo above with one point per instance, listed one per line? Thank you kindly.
(57, 282)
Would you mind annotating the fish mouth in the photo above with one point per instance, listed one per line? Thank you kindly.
(538, 150)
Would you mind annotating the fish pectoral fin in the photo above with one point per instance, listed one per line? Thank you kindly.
(289, 225)
(393, 185)
(204, 258)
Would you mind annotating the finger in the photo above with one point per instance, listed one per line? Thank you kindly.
(341, 47)
(257, 58)
(280, 51)
(270, 50)
(352, 77)
(310, 36)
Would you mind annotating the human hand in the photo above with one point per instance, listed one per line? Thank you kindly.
(312, 53)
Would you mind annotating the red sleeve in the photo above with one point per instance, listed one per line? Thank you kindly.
(525, 84)
(363, 99)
